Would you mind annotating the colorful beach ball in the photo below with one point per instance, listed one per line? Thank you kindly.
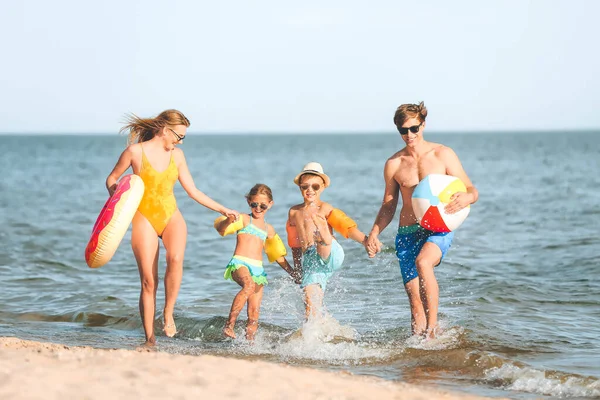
(431, 196)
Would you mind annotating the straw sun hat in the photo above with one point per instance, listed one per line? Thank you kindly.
(313, 168)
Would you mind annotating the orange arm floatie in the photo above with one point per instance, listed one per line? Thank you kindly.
(292, 234)
(339, 221)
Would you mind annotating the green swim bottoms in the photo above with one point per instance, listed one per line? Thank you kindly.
(255, 267)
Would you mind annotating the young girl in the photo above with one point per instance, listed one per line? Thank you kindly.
(253, 236)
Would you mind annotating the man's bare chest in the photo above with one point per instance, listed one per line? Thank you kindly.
(411, 171)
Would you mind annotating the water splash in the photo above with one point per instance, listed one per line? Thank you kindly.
(321, 340)
(447, 339)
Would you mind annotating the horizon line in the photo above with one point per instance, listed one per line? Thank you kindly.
(364, 132)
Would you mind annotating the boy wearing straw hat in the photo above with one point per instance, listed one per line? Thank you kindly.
(316, 252)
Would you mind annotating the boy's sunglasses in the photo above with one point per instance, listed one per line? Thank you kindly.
(315, 186)
(263, 206)
(413, 129)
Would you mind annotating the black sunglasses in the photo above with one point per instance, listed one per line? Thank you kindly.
(315, 186)
(413, 129)
(263, 206)
(179, 138)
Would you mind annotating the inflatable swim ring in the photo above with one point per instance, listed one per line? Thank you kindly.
(431, 196)
(113, 221)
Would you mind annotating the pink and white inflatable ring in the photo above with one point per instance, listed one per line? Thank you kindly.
(114, 220)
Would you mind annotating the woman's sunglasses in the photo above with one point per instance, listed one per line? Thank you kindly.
(263, 206)
(315, 186)
(179, 138)
(413, 129)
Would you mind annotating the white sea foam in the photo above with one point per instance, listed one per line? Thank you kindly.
(532, 380)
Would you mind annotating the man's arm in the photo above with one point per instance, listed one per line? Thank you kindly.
(388, 207)
(454, 167)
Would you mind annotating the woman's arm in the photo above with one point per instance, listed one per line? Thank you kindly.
(187, 182)
(121, 166)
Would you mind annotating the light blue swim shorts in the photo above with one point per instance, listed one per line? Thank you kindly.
(319, 271)
(410, 241)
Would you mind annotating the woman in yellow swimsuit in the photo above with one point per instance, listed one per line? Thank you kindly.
(153, 155)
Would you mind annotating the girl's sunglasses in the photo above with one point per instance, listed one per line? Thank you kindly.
(263, 206)
(315, 186)
(413, 129)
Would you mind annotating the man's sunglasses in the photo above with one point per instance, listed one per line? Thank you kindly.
(413, 129)
(179, 138)
(263, 206)
(315, 186)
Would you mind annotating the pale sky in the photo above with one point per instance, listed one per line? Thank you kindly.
(310, 66)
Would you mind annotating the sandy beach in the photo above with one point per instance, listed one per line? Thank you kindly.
(34, 370)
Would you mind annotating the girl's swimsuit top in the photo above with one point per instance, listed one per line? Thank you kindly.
(252, 229)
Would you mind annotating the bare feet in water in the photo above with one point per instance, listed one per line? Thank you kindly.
(170, 328)
(148, 345)
(432, 333)
(228, 331)
(251, 327)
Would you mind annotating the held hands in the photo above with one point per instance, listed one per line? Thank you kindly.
(458, 201)
(232, 215)
(296, 277)
(295, 274)
(372, 245)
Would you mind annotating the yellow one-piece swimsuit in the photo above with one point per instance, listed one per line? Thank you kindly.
(158, 203)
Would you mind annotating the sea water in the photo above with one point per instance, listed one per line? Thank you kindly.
(519, 293)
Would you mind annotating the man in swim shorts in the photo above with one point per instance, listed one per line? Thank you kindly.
(409, 242)
(419, 250)
(317, 254)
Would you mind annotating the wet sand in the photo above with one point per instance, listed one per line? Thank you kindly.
(34, 370)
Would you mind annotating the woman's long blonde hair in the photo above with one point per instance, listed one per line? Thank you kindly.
(143, 129)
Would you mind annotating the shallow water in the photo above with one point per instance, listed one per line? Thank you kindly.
(519, 298)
